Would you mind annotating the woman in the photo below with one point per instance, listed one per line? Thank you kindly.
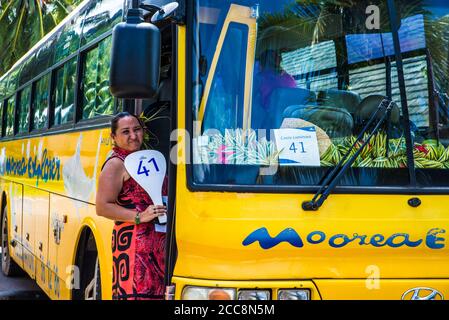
(137, 249)
(272, 76)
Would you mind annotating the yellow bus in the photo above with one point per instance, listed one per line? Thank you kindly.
(306, 146)
(56, 107)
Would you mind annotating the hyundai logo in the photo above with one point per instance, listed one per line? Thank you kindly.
(422, 293)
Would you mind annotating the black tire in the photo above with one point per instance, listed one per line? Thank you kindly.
(88, 264)
(98, 282)
(94, 285)
(9, 267)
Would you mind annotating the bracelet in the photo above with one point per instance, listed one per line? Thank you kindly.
(137, 218)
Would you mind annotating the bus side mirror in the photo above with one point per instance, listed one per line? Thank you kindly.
(135, 58)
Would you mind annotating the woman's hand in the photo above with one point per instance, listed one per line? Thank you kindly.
(152, 212)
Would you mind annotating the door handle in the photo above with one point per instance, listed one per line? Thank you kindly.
(40, 246)
(27, 236)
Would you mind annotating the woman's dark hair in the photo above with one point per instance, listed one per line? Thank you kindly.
(120, 115)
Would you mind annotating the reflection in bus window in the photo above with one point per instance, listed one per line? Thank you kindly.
(9, 122)
(44, 56)
(26, 73)
(426, 71)
(97, 100)
(64, 93)
(315, 67)
(40, 103)
(69, 39)
(101, 17)
(24, 110)
(226, 97)
(13, 81)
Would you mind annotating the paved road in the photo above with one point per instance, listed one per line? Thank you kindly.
(19, 288)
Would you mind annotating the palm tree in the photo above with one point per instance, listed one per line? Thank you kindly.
(25, 22)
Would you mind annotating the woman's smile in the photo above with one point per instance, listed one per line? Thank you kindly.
(129, 134)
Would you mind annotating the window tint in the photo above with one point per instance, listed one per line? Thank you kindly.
(24, 110)
(97, 100)
(40, 103)
(68, 41)
(64, 93)
(9, 122)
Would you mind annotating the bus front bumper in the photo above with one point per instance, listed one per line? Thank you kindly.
(316, 289)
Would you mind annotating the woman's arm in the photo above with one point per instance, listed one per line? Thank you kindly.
(110, 183)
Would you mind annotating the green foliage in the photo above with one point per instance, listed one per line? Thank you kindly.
(237, 147)
(24, 22)
(41, 99)
(97, 97)
(373, 155)
(428, 154)
(150, 140)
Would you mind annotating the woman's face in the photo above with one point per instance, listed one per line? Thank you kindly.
(129, 134)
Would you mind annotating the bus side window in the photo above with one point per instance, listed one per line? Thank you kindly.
(23, 110)
(40, 103)
(63, 96)
(97, 100)
(9, 122)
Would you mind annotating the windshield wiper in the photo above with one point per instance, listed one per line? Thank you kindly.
(331, 179)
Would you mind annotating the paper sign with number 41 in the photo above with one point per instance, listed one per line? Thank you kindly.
(299, 147)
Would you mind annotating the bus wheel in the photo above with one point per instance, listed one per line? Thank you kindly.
(93, 289)
(89, 285)
(9, 267)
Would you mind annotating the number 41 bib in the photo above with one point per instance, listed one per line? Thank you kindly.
(147, 168)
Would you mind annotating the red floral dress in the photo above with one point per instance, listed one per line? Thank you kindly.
(138, 250)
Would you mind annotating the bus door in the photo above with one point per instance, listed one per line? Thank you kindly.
(35, 229)
(15, 223)
(28, 234)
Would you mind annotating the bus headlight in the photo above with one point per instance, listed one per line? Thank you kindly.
(293, 294)
(254, 295)
(205, 293)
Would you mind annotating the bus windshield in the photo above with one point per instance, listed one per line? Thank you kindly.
(281, 89)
